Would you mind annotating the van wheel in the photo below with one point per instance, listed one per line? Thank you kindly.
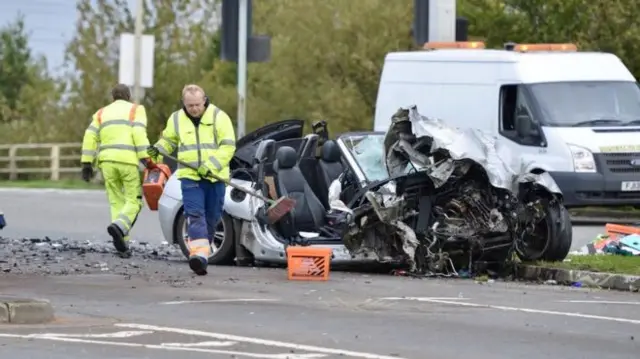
(223, 246)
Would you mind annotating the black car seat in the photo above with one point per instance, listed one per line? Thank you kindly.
(309, 213)
(329, 168)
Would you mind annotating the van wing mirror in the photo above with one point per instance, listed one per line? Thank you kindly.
(525, 127)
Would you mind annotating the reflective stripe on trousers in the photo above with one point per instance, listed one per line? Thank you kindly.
(200, 248)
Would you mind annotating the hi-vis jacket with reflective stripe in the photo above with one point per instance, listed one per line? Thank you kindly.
(213, 142)
(117, 133)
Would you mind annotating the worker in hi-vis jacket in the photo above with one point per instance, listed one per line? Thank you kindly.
(117, 135)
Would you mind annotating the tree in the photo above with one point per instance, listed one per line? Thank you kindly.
(184, 33)
(15, 58)
(327, 55)
(326, 59)
(28, 94)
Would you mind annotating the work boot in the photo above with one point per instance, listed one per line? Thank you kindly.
(198, 265)
(118, 239)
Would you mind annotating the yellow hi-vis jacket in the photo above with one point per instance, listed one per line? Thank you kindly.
(117, 133)
(212, 144)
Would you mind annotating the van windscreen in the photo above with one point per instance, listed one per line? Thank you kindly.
(587, 103)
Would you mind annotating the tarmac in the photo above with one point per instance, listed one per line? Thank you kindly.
(152, 306)
(257, 313)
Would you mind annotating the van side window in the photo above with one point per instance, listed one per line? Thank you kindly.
(513, 103)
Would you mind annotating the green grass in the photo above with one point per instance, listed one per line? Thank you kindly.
(614, 208)
(62, 184)
(599, 263)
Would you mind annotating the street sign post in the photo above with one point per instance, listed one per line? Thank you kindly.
(127, 69)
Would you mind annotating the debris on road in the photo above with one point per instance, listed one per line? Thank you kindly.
(619, 239)
(65, 256)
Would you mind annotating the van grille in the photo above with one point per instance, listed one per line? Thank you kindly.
(619, 162)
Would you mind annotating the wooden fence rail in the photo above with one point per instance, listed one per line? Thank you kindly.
(39, 160)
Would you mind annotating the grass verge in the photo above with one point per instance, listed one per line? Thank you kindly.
(632, 209)
(598, 263)
(62, 184)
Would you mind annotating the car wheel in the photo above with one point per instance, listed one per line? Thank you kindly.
(551, 240)
(561, 242)
(222, 248)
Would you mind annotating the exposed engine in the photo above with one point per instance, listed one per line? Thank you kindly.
(445, 212)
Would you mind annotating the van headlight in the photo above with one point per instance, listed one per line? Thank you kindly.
(583, 160)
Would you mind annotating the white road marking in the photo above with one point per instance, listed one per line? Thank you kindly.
(200, 345)
(168, 348)
(219, 301)
(423, 299)
(256, 341)
(102, 335)
(598, 302)
(529, 310)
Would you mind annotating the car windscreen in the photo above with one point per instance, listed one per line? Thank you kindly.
(587, 103)
(368, 152)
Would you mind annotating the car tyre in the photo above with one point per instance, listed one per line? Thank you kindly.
(563, 236)
(558, 235)
(225, 255)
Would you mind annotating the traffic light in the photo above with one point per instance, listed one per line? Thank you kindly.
(258, 47)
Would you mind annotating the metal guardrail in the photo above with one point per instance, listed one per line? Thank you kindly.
(50, 159)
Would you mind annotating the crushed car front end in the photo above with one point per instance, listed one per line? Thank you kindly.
(456, 200)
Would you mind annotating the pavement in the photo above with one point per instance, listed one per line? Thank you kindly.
(152, 306)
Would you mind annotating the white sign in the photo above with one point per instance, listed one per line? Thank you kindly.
(442, 20)
(126, 72)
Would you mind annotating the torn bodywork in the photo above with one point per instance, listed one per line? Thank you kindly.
(456, 199)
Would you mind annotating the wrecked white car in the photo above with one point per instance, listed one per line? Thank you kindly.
(423, 196)
(451, 199)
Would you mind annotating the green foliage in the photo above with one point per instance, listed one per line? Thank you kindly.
(15, 56)
(183, 32)
(27, 92)
(326, 59)
(326, 56)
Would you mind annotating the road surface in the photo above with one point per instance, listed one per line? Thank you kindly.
(257, 313)
(152, 306)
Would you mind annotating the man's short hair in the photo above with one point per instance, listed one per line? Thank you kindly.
(121, 92)
(193, 89)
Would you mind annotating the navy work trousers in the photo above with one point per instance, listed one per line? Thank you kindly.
(203, 202)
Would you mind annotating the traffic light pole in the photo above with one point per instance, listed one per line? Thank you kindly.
(242, 66)
(137, 71)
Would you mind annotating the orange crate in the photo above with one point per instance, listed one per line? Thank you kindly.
(613, 230)
(308, 263)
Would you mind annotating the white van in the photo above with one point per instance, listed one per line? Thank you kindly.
(573, 114)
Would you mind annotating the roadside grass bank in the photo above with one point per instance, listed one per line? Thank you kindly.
(62, 184)
(599, 271)
(605, 263)
(609, 212)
